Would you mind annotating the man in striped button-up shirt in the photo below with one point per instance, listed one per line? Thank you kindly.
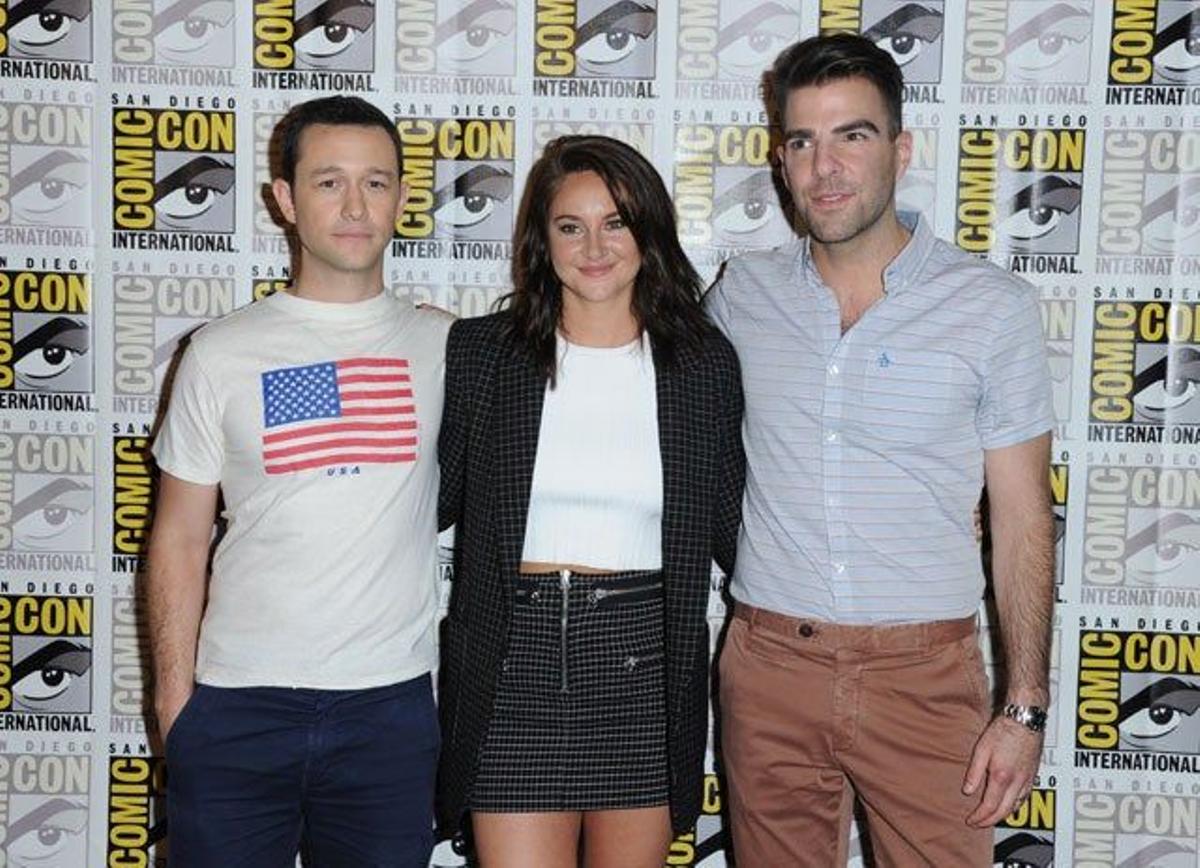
(887, 376)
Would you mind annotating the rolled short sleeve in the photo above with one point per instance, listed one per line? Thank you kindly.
(1016, 402)
(190, 444)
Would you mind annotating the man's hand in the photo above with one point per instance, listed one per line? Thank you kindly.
(1004, 762)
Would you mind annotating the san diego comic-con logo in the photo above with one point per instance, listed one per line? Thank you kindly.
(129, 672)
(268, 280)
(1145, 372)
(1119, 827)
(460, 176)
(911, 32)
(47, 40)
(268, 226)
(595, 48)
(1060, 484)
(723, 47)
(131, 498)
(137, 816)
(1058, 327)
(704, 846)
(45, 171)
(461, 299)
(1026, 52)
(724, 188)
(152, 312)
(1025, 838)
(314, 45)
(460, 47)
(1141, 539)
(174, 43)
(918, 189)
(1154, 53)
(46, 663)
(1149, 202)
(45, 337)
(634, 125)
(1019, 192)
(173, 176)
(46, 500)
(1137, 697)
(44, 805)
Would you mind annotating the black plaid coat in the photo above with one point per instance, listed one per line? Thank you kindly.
(487, 449)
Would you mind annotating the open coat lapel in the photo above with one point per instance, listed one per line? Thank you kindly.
(520, 394)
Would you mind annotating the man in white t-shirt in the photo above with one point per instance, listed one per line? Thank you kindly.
(292, 687)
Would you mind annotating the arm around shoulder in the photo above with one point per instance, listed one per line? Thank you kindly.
(731, 458)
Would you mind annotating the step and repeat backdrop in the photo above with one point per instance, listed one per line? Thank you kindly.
(1059, 139)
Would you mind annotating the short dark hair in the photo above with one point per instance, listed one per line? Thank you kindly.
(335, 111)
(667, 289)
(822, 59)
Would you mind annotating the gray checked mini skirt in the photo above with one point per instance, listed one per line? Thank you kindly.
(579, 721)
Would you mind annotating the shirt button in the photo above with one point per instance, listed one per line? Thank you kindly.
(831, 437)
(806, 630)
(833, 369)
(839, 568)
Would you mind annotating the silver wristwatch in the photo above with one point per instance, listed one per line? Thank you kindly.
(1029, 716)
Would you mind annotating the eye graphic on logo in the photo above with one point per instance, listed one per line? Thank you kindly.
(1171, 221)
(1165, 386)
(1057, 36)
(45, 515)
(747, 206)
(190, 27)
(472, 197)
(613, 35)
(474, 31)
(747, 45)
(332, 28)
(1164, 711)
(905, 33)
(35, 27)
(1177, 48)
(1023, 850)
(191, 190)
(1161, 854)
(47, 673)
(49, 351)
(1167, 551)
(43, 192)
(1036, 210)
(50, 835)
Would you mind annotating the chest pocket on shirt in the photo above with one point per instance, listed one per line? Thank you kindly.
(913, 396)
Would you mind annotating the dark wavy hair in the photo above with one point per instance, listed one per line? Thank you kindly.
(333, 110)
(822, 59)
(667, 289)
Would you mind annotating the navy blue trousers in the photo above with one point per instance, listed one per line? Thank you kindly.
(256, 774)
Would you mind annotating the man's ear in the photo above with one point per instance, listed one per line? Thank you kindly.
(904, 149)
(283, 197)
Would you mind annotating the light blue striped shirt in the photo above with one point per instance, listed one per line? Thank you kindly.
(865, 450)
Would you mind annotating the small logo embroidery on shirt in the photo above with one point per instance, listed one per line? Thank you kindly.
(884, 361)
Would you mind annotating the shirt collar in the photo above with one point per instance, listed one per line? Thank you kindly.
(901, 271)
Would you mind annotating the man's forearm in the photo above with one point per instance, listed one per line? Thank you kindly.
(175, 603)
(1023, 576)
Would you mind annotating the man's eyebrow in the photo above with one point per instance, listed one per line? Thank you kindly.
(333, 169)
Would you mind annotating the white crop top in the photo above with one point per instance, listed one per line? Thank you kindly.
(596, 498)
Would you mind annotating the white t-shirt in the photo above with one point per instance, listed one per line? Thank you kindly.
(596, 497)
(320, 422)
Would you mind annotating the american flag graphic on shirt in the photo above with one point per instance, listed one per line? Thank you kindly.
(354, 411)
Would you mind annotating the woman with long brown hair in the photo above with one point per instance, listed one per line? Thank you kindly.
(591, 459)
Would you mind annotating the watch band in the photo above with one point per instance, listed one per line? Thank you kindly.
(1029, 716)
